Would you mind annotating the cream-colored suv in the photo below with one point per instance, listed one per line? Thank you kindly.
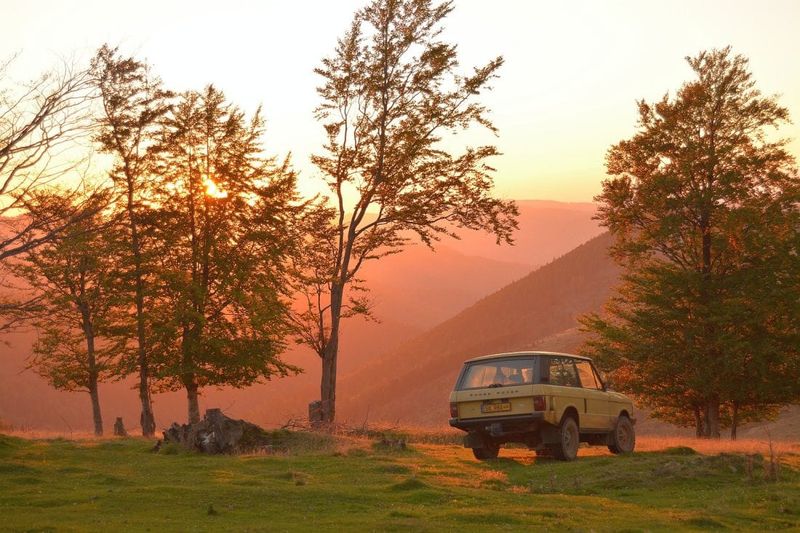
(548, 401)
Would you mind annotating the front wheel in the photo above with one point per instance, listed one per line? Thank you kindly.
(567, 447)
(488, 451)
(623, 438)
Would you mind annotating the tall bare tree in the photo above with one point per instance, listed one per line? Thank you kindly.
(39, 121)
(41, 125)
(390, 91)
(133, 104)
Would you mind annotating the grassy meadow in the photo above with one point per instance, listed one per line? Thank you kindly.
(324, 483)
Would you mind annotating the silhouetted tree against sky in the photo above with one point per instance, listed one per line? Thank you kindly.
(703, 202)
(78, 306)
(225, 231)
(390, 91)
(133, 103)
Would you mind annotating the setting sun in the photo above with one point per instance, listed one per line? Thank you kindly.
(213, 190)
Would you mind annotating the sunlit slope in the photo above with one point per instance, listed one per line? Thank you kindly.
(413, 382)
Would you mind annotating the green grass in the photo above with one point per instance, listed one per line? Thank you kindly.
(61, 485)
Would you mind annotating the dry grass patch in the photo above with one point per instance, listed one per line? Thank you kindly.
(710, 447)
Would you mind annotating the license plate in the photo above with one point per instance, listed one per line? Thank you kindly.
(495, 406)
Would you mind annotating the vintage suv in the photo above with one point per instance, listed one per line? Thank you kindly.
(548, 401)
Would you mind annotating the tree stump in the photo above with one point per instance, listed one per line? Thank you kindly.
(119, 428)
(315, 413)
(217, 433)
(392, 444)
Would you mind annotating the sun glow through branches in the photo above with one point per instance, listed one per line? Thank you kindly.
(213, 190)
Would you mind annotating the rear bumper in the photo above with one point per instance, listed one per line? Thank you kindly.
(500, 425)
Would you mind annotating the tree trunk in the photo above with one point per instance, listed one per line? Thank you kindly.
(711, 422)
(712, 418)
(91, 363)
(147, 419)
(328, 385)
(96, 415)
(188, 376)
(330, 357)
(698, 422)
(191, 397)
(734, 420)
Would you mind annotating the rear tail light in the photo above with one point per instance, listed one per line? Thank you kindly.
(453, 410)
(539, 403)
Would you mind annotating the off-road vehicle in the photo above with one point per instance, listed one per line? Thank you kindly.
(548, 401)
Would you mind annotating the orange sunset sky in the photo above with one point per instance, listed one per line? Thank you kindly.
(567, 91)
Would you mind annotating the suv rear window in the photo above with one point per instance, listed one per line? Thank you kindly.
(497, 373)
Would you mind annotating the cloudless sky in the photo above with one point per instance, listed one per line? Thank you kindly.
(573, 72)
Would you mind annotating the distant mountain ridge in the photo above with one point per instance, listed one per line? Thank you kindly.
(547, 230)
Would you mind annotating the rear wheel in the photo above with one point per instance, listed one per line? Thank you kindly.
(623, 438)
(488, 451)
(567, 447)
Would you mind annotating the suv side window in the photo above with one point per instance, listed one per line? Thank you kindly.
(587, 375)
(562, 372)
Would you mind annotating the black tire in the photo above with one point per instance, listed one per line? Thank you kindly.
(567, 447)
(489, 451)
(623, 438)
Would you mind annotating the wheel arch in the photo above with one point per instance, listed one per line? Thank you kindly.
(571, 412)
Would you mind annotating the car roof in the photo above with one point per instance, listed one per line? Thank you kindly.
(523, 354)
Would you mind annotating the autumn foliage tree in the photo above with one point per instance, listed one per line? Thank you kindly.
(703, 203)
(390, 91)
(225, 230)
